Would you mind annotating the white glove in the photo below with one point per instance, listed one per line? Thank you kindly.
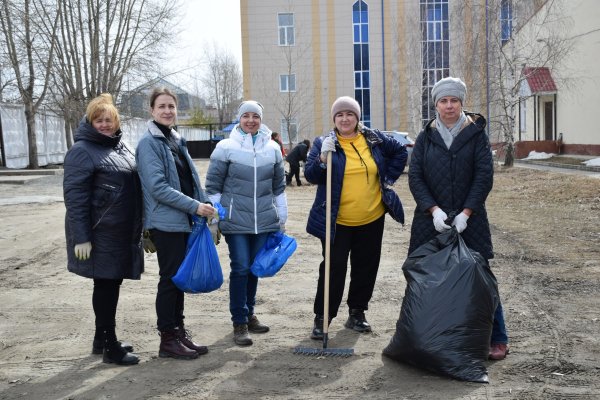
(460, 222)
(327, 146)
(439, 218)
(213, 227)
(83, 250)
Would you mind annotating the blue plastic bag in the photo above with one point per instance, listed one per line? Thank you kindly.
(273, 255)
(200, 271)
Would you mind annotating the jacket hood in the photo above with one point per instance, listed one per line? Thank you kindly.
(87, 132)
(245, 139)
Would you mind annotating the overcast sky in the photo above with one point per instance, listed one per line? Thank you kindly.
(205, 22)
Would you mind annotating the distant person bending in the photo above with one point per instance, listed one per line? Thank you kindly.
(298, 153)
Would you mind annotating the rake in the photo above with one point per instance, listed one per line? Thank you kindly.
(325, 351)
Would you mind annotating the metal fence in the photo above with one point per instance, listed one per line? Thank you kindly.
(52, 143)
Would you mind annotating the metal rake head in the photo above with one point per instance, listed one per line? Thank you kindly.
(307, 351)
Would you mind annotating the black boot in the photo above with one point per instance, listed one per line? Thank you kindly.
(357, 321)
(186, 339)
(98, 343)
(114, 353)
(317, 332)
(171, 346)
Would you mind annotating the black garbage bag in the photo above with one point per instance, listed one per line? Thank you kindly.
(447, 312)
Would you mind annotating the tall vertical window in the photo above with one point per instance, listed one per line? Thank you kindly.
(362, 81)
(435, 51)
(287, 83)
(286, 29)
(506, 20)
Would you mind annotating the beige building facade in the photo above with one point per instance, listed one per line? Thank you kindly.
(299, 56)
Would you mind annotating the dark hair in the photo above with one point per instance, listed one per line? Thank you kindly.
(274, 135)
(160, 91)
(306, 142)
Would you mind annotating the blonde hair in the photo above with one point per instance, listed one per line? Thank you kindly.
(100, 105)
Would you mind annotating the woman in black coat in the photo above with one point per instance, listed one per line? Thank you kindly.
(451, 170)
(103, 222)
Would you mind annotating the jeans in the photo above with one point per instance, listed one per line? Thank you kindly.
(242, 283)
(499, 329)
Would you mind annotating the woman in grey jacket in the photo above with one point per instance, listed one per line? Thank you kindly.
(247, 177)
(172, 194)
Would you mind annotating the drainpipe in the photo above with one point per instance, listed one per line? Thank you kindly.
(383, 67)
(487, 69)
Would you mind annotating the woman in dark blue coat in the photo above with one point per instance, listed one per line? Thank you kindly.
(451, 170)
(103, 222)
(365, 163)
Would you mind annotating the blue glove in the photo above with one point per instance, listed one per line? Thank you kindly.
(460, 222)
(220, 210)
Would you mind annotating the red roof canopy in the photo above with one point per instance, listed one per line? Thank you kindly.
(539, 79)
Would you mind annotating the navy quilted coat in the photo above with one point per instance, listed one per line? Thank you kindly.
(390, 158)
(453, 179)
(103, 199)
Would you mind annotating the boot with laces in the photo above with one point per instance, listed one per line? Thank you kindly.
(186, 339)
(171, 346)
(255, 326)
(240, 335)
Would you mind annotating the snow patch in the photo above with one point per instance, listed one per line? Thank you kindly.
(534, 155)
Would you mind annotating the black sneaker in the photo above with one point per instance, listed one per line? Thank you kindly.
(357, 321)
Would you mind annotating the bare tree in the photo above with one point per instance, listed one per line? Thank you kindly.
(539, 39)
(30, 49)
(222, 80)
(101, 42)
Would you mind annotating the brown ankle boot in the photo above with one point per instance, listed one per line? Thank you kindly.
(186, 339)
(171, 346)
(240, 335)
(255, 326)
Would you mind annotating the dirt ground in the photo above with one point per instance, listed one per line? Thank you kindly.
(546, 233)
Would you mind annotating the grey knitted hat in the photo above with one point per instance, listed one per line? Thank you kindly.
(250, 106)
(345, 103)
(449, 87)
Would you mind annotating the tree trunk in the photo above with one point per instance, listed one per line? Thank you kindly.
(31, 136)
(509, 155)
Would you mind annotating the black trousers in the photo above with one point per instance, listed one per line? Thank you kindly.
(294, 171)
(363, 245)
(105, 298)
(170, 251)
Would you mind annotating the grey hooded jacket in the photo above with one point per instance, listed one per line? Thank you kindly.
(248, 179)
(165, 207)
